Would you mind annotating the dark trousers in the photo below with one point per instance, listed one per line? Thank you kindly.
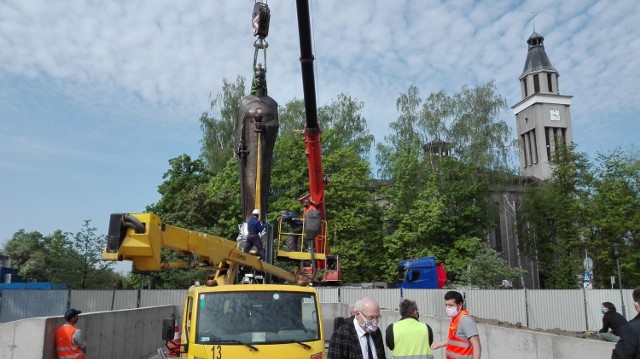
(292, 240)
(253, 239)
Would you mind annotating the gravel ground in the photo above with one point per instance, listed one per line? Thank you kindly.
(556, 331)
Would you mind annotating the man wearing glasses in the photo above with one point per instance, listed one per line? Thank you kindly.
(408, 337)
(360, 338)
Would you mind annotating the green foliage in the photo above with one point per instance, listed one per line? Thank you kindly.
(224, 193)
(87, 261)
(614, 213)
(344, 127)
(28, 254)
(467, 121)
(475, 134)
(62, 258)
(485, 270)
(192, 199)
(184, 201)
(289, 173)
(553, 219)
(450, 205)
(218, 129)
(403, 144)
(437, 193)
(169, 279)
(354, 219)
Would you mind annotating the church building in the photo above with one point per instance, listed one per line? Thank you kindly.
(543, 121)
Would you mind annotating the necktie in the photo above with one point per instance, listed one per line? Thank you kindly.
(369, 346)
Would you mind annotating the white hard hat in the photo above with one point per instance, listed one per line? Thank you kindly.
(256, 211)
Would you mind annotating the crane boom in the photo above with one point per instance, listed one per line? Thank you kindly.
(140, 236)
(312, 129)
(314, 211)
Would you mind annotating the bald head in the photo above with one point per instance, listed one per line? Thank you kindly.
(367, 305)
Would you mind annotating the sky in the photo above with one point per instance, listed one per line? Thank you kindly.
(97, 96)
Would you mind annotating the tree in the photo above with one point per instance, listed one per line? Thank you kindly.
(486, 269)
(404, 141)
(439, 159)
(186, 202)
(614, 215)
(201, 194)
(344, 126)
(57, 258)
(477, 137)
(183, 202)
(86, 261)
(449, 206)
(224, 193)
(168, 279)
(218, 140)
(353, 217)
(28, 255)
(289, 173)
(60, 258)
(554, 218)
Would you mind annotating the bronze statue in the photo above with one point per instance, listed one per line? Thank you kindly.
(257, 131)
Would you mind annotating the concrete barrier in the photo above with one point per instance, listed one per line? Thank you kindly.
(132, 333)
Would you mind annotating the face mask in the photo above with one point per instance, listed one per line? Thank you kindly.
(368, 326)
(452, 311)
(602, 310)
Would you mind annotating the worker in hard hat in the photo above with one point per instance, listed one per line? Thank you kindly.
(254, 227)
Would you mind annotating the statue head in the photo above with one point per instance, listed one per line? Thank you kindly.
(259, 80)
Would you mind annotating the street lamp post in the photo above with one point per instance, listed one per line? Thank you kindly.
(615, 251)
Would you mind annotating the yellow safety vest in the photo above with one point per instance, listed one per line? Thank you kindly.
(411, 340)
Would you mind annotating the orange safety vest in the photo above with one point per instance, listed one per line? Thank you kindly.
(64, 343)
(458, 348)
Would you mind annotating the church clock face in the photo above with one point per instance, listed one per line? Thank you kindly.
(554, 115)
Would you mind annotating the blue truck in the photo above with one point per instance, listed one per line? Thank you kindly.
(423, 272)
(10, 279)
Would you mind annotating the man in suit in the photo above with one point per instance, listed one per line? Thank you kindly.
(361, 338)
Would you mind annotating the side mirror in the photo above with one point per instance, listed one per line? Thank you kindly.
(168, 328)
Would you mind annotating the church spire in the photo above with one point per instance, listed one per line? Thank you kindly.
(537, 59)
(543, 118)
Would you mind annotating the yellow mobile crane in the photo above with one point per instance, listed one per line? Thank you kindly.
(222, 319)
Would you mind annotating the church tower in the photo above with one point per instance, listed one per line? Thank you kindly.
(543, 116)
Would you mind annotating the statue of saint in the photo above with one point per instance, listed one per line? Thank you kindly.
(257, 130)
